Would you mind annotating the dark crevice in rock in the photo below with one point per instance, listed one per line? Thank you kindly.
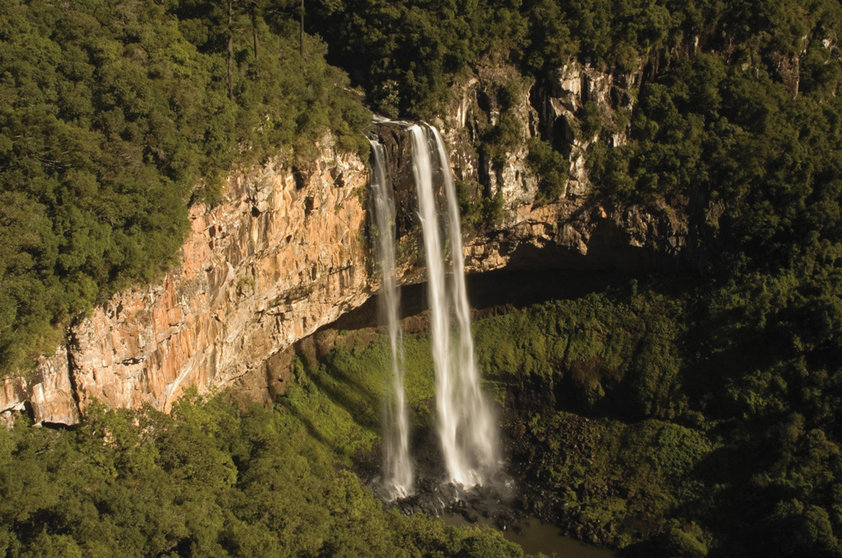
(562, 136)
(396, 142)
(539, 100)
(69, 343)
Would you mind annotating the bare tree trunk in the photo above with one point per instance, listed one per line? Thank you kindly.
(230, 50)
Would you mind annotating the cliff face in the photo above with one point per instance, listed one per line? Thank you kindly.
(280, 257)
(531, 233)
(286, 253)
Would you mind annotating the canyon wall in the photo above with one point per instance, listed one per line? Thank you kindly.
(285, 253)
(281, 256)
(531, 232)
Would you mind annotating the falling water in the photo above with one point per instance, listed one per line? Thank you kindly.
(478, 420)
(398, 475)
(466, 425)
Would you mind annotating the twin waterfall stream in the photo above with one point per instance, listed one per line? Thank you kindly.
(398, 472)
(465, 423)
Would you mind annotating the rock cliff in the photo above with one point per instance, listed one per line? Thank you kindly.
(530, 232)
(285, 253)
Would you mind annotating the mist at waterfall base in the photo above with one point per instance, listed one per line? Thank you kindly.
(469, 465)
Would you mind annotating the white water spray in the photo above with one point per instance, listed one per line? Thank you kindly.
(466, 425)
(398, 474)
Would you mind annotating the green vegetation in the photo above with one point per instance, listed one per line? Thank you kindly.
(210, 480)
(482, 210)
(701, 419)
(619, 482)
(623, 430)
(738, 121)
(117, 116)
(406, 55)
(587, 349)
(114, 117)
(551, 168)
(631, 425)
(716, 116)
(657, 421)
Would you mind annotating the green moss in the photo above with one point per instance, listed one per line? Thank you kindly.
(213, 480)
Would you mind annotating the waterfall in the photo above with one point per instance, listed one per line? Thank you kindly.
(398, 475)
(466, 424)
(477, 418)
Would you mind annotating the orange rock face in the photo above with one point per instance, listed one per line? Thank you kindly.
(274, 262)
(48, 391)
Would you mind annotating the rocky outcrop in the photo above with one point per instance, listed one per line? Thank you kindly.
(556, 232)
(285, 253)
(47, 391)
(281, 257)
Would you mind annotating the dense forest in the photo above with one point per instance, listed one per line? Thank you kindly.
(691, 414)
(210, 480)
